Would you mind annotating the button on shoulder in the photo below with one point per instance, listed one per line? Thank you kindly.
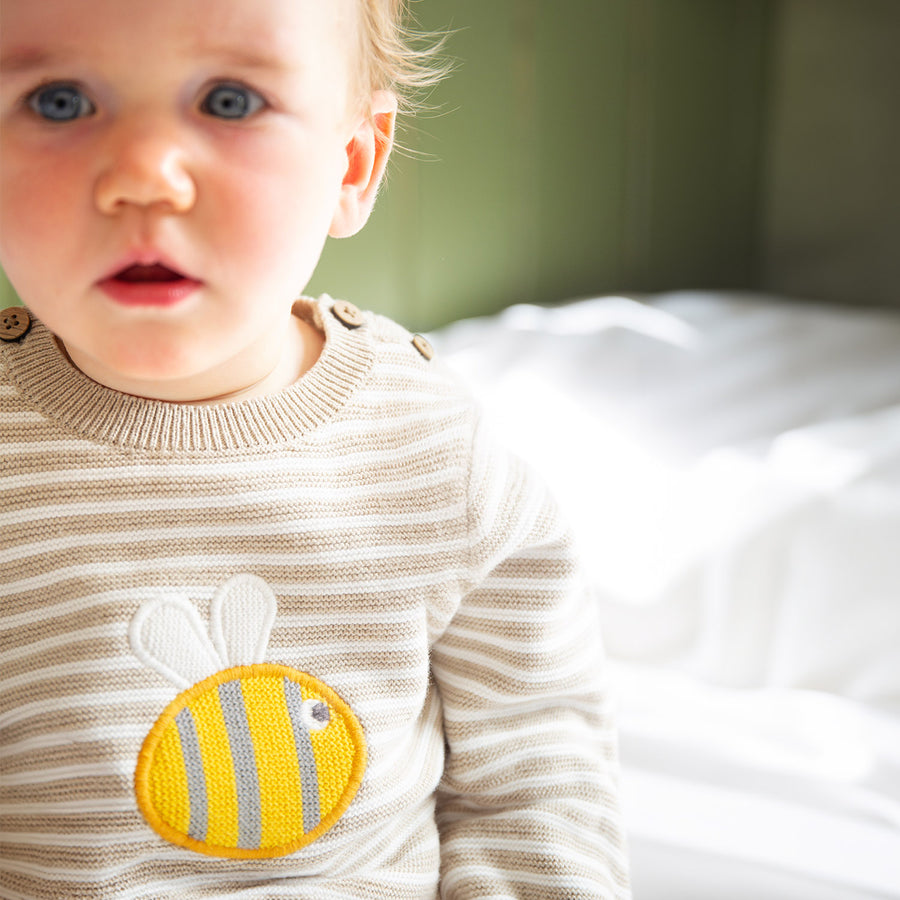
(422, 345)
(15, 323)
(347, 314)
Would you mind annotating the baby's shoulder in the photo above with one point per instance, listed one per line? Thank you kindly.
(398, 351)
(393, 333)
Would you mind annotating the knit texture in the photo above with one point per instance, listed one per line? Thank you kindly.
(336, 633)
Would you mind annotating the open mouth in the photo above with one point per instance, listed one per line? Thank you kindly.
(149, 284)
(155, 273)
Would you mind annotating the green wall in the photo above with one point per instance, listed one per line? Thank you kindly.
(7, 295)
(832, 176)
(583, 146)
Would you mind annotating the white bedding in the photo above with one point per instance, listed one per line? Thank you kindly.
(731, 464)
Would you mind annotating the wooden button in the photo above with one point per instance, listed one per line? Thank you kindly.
(423, 346)
(14, 324)
(348, 314)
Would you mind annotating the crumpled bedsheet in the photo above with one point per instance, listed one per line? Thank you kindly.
(731, 466)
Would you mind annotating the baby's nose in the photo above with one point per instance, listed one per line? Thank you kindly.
(146, 168)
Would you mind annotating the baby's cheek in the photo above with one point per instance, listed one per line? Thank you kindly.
(277, 227)
(41, 234)
(33, 201)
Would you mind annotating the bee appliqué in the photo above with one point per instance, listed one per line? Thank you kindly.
(252, 759)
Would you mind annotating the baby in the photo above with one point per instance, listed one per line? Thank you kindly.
(279, 619)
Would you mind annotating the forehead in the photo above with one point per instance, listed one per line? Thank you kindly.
(285, 33)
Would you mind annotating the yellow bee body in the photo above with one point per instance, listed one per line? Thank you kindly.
(253, 761)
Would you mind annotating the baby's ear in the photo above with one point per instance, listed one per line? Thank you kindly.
(367, 155)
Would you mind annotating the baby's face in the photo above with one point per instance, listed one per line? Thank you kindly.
(171, 170)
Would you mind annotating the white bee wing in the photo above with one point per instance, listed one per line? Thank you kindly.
(168, 636)
(241, 618)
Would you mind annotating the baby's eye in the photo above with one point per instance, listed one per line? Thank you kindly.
(60, 103)
(232, 101)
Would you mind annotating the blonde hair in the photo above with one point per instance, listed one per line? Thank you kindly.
(398, 57)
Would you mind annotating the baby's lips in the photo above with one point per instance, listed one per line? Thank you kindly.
(147, 281)
(146, 266)
(152, 272)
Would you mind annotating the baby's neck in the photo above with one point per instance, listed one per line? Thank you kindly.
(303, 346)
(241, 380)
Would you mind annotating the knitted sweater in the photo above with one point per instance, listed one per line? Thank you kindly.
(328, 643)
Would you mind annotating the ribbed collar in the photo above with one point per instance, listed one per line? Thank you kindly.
(49, 382)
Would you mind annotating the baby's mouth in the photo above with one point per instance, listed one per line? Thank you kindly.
(154, 273)
(149, 284)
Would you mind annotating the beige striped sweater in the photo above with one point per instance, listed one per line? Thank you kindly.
(328, 643)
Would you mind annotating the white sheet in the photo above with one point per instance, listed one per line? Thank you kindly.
(731, 464)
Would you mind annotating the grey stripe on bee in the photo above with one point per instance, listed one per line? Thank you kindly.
(243, 758)
(196, 779)
(309, 776)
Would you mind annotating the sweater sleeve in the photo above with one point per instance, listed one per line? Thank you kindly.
(528, 806)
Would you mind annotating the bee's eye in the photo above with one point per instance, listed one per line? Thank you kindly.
(60, 103)
(316, 715)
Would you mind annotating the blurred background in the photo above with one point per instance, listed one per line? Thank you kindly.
(590, 146)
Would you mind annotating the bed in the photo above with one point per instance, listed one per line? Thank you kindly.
(731, 465)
